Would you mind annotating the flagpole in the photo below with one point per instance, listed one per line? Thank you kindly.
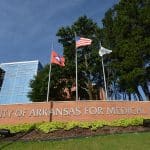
(49, 79)
(49, 75)
(76, 76)
(104, 78)
(104, 75)
(76, 61)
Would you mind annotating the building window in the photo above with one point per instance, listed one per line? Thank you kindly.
(2, 73)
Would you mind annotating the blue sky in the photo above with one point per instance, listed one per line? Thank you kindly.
(27, 27)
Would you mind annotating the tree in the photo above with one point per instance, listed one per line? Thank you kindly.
(89, 65)
(126, 32)
(40, 84)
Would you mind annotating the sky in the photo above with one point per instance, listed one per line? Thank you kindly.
(28, 27)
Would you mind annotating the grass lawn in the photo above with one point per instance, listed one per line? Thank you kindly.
(129, 141)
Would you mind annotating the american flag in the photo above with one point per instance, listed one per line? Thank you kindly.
(83, 42)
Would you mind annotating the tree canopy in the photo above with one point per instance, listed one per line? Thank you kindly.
(126, 32)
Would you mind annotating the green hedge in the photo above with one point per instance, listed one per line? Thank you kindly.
(53, 126)
(18, 128)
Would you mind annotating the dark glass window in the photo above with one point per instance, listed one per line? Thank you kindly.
(2, 73)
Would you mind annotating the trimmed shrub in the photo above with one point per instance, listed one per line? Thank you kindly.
(50, 126)
(127, 122)
(19, 128)
(53, 126)
(98, 124)
(71, 125)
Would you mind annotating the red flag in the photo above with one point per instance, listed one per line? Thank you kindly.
(56, 59)
(83, 42)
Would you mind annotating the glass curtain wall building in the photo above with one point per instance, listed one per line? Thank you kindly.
(16, 82)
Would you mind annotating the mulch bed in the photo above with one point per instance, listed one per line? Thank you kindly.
(76, 132)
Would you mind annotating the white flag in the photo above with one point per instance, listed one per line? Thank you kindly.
(103, 51)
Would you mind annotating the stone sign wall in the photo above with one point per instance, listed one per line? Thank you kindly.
(72, 111)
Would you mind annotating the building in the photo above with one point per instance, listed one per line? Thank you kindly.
(16, 81)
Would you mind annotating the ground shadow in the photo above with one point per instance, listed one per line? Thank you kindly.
(10, 141)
